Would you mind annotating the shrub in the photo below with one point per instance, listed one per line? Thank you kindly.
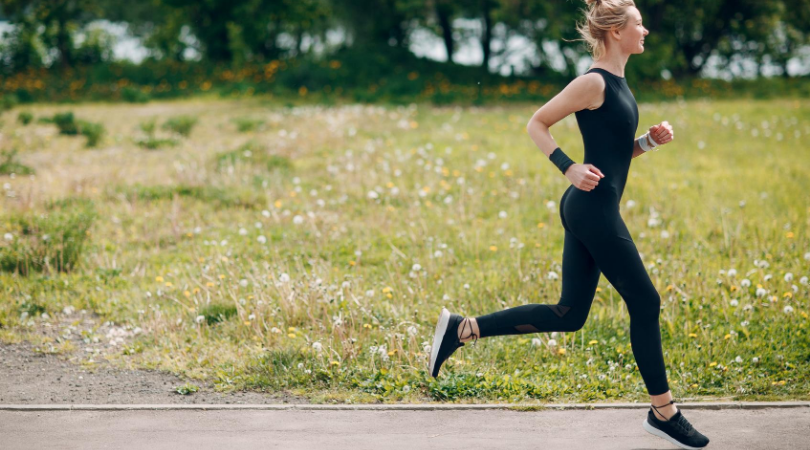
(250, 154)
(181, 125)
(66, 123)
(8, 101)
(8, 165)
(25, 117)
(152, 142)
(244, 124)
(134, 95)
(92, 131)
(217, 313)
(50, 241)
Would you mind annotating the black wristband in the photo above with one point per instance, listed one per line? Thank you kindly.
(561, 160)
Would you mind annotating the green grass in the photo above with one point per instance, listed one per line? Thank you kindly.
(306, 280)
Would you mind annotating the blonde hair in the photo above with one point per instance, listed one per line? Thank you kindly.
(600, 18)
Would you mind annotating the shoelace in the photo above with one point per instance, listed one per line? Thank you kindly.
(465, 323)
(682, 425)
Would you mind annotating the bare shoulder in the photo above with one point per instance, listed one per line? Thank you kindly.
(590, 88)
(583, 92)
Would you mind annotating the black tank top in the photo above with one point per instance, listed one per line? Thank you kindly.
(609, 133)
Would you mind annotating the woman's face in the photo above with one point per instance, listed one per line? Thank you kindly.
(632, 35)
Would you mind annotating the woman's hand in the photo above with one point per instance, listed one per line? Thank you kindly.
(584, 176)
(662, 133)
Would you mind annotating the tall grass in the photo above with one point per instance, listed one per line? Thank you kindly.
(314, 255)
(50, 240)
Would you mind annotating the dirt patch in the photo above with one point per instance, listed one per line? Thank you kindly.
(29, 377)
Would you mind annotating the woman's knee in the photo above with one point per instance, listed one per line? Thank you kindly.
(646, 307)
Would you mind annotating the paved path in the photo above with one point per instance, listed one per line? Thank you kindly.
(602, 428)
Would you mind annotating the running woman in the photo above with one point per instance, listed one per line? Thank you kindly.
(596, 238)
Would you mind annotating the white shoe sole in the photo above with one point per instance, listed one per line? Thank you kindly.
(655, 431)
(441, 327)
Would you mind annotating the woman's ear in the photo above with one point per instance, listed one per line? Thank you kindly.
(616, 33)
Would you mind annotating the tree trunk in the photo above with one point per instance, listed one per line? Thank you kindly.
(443, 14)
(486, 36)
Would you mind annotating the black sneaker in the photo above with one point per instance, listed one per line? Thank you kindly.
(445, 340)
(677, 430)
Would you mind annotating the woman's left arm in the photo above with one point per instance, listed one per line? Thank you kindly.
(661, 134)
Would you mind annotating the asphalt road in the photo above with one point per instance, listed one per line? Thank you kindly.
(770, 428)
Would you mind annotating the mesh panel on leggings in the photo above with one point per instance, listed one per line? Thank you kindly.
(559, 310)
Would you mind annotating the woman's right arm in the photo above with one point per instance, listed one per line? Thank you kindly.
(583, 92)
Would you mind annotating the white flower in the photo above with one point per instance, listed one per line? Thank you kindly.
(788, 277)
(345, 285)
(755, 360)
(406, 388)
(262, 239)
(745, 282)
(266, 213)
(552, 343)
(738, 359)
(242, 232)
(550, 204)
(788, 309)
(275, 330)
(552, 275)
(653, 222)
(732, 272)
(664, 234)
(298, 219)
(448, 200)
(733, 302)
(630, 203)
(536, 342)
(412, 330)
(252, 317)
(243, 282)
(502, 214)
(8, 236)
(768, 277)
(437, 254)
(317, 346)
(803, 280)
(373, 195)
(807, 256)
(761, 292)
(744, 323)
(200, 319)
(370, 293)
(466, 285)
(416, 268)
(284, 278)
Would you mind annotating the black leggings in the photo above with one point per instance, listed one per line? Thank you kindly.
(596, 241)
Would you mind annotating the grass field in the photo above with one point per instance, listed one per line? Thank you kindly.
(311, 249)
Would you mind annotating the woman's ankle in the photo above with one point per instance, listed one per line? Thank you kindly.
(468, 330)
